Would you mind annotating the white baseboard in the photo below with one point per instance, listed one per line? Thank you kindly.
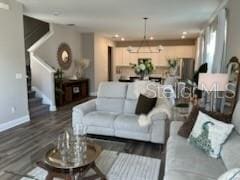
(13, 123)
(46, 100)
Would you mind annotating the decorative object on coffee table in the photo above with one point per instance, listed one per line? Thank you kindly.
(57, 167)
(64, 56)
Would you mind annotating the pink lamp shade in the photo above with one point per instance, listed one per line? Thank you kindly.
(213, 82)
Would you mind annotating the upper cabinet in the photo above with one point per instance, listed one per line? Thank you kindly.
(124, 58)
(118, 56)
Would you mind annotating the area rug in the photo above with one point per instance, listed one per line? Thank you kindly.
(117, 166)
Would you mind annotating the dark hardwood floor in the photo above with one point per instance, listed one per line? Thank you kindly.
(22, 146)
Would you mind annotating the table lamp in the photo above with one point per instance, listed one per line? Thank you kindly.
(212, 83)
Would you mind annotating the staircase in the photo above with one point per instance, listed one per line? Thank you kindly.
(33, 30)
(36, 107)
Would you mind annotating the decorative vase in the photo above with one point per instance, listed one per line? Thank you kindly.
(144, 76)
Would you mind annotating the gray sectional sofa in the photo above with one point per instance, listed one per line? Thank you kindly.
(185, 162)
(112, 114)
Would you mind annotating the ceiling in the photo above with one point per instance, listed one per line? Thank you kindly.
(168, 18)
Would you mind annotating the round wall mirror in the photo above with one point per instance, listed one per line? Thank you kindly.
(64, 56)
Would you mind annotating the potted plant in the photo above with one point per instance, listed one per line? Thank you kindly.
(144, 68)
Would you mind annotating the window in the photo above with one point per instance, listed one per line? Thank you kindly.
(211, 46)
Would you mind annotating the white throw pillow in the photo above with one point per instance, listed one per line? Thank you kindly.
(209, 134)
(233, 174)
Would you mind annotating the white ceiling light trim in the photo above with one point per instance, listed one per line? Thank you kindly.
(145, 43)
(4, 6)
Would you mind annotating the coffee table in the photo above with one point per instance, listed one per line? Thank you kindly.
(55, 167)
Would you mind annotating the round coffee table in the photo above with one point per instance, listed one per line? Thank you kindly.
(57, 168)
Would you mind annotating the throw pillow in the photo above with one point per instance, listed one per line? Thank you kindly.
(187, 126)
(209, 134)
(233, 174)
(145, 104)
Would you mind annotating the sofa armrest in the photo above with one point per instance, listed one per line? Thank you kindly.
(81, 110)
(159, 117)
(174, 127)
(158, 128)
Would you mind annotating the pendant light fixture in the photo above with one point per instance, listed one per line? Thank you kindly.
(145, 43)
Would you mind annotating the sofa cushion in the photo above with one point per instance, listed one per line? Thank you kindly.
(181, 156)
(236, 118)
(184, 175)
(129, 106)
(112, 90)
(147, 88)
(110, 105)
(231, 151)
(129, 123)
(100, 119)
(131, 93)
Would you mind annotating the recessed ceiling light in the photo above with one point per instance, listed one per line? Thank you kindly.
(122, 39)
(151, 38)
(183, 37)
(4, 6)
(184, 33)
(116, 35)
(56, 13)
(70, 24)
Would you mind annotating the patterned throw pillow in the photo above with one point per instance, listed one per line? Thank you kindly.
(233, 174)
(209, 134)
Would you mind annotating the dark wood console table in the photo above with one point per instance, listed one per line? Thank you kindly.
(68, 91)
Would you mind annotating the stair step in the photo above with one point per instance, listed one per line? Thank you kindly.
(39, 110)
(31, 94)
(35, 101)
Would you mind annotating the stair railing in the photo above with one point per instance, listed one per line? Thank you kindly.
(42, 74)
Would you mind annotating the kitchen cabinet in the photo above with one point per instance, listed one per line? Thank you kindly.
(124, 58)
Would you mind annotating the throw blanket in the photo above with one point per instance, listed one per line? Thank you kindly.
(162, 106)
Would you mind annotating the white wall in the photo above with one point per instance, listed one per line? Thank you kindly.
(13, 92)
(48, 51)
(101, 58)
(88, 52)
(95, 48)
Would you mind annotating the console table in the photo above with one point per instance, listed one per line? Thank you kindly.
(68, 91)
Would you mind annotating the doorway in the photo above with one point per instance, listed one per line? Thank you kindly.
(110, 77)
